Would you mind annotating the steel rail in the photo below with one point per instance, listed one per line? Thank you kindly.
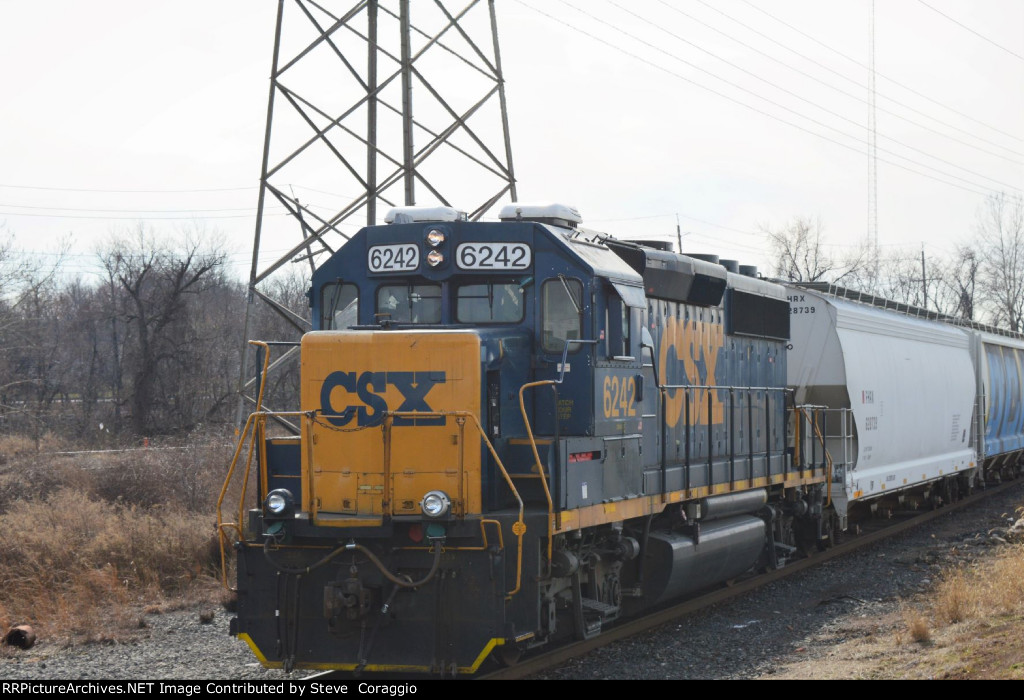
(556, 657)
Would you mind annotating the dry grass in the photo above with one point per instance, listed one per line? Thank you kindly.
(973, 618)
(90, 542)
(70, 553)
(917, 624)
(992, 589)
(969, 626)
(956, 599)
(14, 446)
(186, 477)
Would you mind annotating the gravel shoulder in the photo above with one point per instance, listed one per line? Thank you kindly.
(844, 620)
(181, 644)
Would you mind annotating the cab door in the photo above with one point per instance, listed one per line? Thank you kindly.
(619, 388)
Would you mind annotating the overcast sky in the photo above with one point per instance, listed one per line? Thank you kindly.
(726, 115)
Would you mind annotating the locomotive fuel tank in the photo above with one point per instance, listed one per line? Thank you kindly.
(679, 564)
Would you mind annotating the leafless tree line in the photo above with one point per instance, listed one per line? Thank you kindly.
(150, 346)
(982, 279)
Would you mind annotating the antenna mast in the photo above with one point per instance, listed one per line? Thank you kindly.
(873, 157)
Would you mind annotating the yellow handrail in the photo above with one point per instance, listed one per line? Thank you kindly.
(221, 525)
(519, 528)
(255, 429)
(828, 460)
(812, 421)
(536, 457)
(255, 424)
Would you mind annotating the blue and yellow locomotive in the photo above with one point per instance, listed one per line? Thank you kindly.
(513, 433)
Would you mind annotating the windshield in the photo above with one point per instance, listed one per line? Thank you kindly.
(498, 302)
(409, 303)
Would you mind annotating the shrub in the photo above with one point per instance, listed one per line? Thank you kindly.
(70, 552)
(956, 599)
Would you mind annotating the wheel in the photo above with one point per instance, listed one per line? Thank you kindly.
(508, 654)
(830, 534)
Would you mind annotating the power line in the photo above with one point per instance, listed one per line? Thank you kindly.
(855, 82)
(871, 129)
(119, 191)
(126, 211)
(777, 104)
(977, 34)
(143, 214)
(861, 65)
(873, 156)
(135, 218)
(691, 218)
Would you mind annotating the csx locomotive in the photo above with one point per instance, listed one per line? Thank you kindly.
(517, 432)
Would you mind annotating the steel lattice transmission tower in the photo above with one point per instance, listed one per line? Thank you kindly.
(372, 106)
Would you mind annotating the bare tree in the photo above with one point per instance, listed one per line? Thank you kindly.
(157, 282)
(800, 253)
(83, 351)
(11, 272)
(1001, 248)
(957, 288)
(30, 372)
(926, 281)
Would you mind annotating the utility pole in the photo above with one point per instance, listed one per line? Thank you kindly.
(924, 279)
(341, 132)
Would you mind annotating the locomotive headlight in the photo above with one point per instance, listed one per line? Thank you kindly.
(435, 237)
(279, 503)
(436, 504)
(434, 258)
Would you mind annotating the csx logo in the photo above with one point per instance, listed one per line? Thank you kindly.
(369, 387)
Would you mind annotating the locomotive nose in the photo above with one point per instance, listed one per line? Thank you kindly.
(393, 426)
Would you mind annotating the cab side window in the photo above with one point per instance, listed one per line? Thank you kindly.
(562, 314)
(617, 325)
(339, 306)
(623, 320)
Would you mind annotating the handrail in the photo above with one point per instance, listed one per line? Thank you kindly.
(533, 440)
(253, 428)
(221, 525)
(806, 412)
(828, 461)
(536, 457)
(256, 423)
(263, 373)
(519, 528)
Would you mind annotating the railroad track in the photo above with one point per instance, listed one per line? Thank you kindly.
(873, 532)
(876, 531)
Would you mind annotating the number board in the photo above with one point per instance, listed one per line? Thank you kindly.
(493, 256)
(619, 397)
(401, 257)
